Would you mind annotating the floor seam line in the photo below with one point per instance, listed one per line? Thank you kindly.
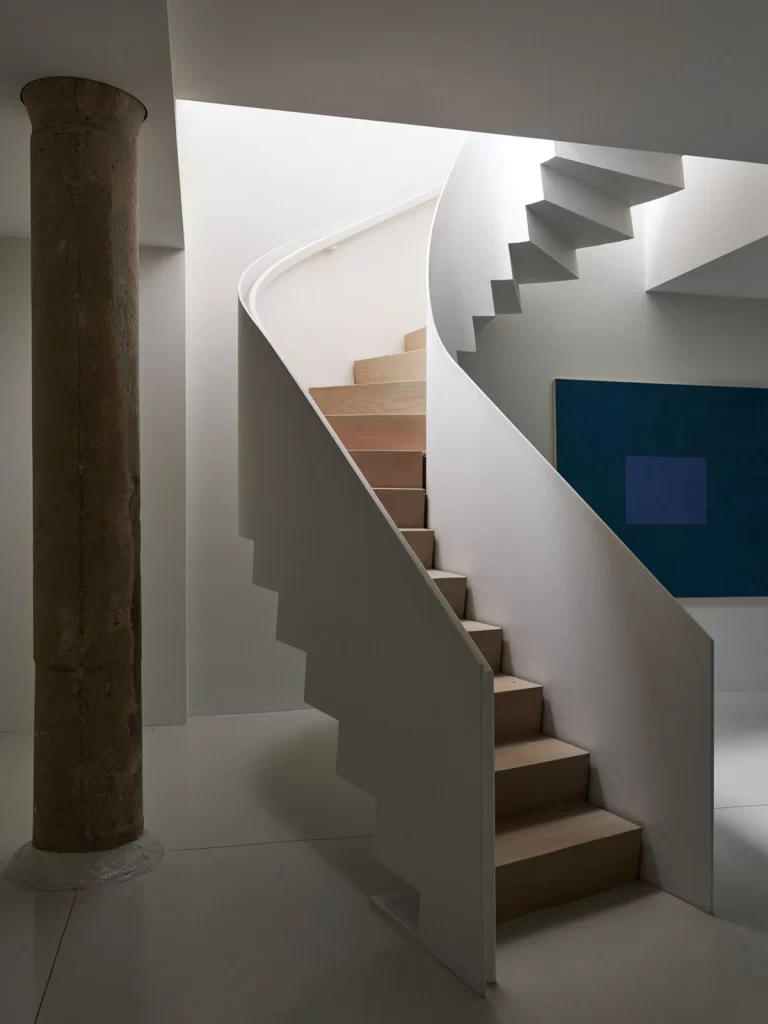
(733, 807)
(268, 842)
(55, 958)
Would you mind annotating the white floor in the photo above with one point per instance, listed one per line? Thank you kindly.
(260, 910)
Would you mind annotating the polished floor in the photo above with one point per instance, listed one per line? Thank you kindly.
(260, 909)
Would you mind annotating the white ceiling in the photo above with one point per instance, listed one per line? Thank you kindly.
(124, 44)
(679, 76)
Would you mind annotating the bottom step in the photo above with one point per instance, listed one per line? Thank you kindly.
(554, 856)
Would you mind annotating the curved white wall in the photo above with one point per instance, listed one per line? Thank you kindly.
(251, 180)
(354, 300)
(627, 674)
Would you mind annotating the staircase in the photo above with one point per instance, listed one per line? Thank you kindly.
(432, 724)
(551, 845)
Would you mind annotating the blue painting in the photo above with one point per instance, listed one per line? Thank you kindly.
(679, 472)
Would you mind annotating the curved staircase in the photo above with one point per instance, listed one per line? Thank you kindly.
(414, 663)
(551, 845)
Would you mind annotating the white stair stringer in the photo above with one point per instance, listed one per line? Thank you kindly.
(627, 673)
(386, 657)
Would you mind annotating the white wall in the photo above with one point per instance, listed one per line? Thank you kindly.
(162, 469)
(355, 301)
(251, 180)
(723, 207)
(605, 326)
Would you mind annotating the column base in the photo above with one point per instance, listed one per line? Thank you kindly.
(43, 871)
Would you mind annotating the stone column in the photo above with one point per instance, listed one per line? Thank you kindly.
(85, 420)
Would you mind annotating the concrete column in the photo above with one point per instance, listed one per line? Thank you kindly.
(85, 413)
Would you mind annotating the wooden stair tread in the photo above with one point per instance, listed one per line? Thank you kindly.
(518, 753)
(557, 828)
(506, 684)
(405, 490)
(477, 627)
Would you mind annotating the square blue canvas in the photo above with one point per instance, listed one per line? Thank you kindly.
(666, 490)
(679, 472)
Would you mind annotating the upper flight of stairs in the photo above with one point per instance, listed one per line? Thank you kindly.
(585, 200)
(551, 845)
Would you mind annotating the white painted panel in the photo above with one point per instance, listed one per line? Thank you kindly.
(385, 655)
(162, 387)
(739, 628)
(627, 674)
(162, 464)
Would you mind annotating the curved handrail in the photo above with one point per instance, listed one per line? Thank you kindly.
(386, 655)
(627, 673)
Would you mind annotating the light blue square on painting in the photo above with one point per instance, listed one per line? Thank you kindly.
(666, 490)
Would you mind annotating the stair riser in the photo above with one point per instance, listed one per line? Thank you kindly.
(407, 508)
(566, 875)
(391, 468)
(517, 713)
(395, 397)
(489, 643)
(403, 366)
(423, 544)
(534, 787)
(416, 340)
(379, 432)
(455, 593)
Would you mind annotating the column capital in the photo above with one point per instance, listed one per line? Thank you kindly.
(74, 103)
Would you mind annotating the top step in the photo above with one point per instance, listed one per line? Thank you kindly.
(402, 366)
(416, 340)
(631, 176)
